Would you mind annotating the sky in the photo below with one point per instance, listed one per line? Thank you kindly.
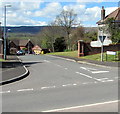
(43, 12)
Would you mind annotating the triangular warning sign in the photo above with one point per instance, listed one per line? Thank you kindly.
(102, 38)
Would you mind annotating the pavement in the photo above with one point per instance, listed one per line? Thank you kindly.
(12, 70)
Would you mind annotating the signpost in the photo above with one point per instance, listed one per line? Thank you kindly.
(102, 38)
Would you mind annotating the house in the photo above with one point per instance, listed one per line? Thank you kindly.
(15, 45)
(103, 32)
(1, 42)
(102, 26)
(36, 49)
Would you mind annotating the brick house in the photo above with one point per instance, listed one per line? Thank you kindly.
(15, 45)
(102, 27)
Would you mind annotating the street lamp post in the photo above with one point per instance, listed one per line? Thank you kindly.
(5, 30)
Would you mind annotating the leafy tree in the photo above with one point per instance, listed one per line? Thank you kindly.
(90, 36)
(60, 44)
(114, 29)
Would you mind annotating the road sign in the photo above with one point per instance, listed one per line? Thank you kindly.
(102, 38)
(99, 44)
(95, 44)
(111, 52)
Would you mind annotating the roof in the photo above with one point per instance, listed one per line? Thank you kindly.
(20, 42)
(115, 14)
(36, 47)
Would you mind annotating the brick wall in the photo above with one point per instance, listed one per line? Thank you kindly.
(88, 50)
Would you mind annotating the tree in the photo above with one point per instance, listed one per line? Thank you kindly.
(49, 35)
(76, 34)
(67, 19)
(59, 44)
(90, 36)
(114, 29)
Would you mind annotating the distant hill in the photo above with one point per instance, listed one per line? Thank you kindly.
(90, 29)
(36, 29)
(25, 29)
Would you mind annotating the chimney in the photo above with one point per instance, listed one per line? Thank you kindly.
(102, 13)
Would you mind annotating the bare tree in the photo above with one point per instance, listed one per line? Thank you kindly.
(76, 34)
(67, 19)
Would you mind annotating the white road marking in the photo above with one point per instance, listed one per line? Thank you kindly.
(81, 106)
(67, 85)
(74, 84)
(47, 61)
(107, 80)
(5, 91)
(66, 68)
(101, 79)
(88, 69)
(84, 83)
(52, 86)
(25, 90)
(84, 75)
(91, 70)
(44, 87)
(48, 87)
(58, 65)
(95, 82)
(95, 72)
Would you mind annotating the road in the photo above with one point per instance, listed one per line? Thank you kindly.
(56, 84)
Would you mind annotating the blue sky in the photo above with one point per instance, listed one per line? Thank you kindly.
(43, 12)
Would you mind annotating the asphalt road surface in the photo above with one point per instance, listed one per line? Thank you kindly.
(56, 84)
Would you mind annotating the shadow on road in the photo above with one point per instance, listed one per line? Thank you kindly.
(28, 64)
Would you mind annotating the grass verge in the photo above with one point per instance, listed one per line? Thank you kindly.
(96, 57)
(2, 60)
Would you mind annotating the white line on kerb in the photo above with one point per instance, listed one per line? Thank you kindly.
(54, 110)
(25, 90)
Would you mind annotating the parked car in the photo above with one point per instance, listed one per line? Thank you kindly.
(21, 52)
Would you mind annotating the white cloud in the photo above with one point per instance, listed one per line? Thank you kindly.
(22, 21)
(25, 13)
(51, 10)
(110, 10)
